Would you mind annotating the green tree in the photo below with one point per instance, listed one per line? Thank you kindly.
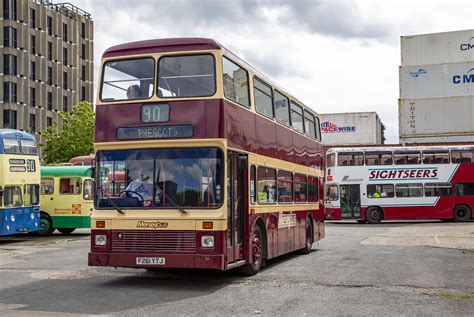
(76, 137)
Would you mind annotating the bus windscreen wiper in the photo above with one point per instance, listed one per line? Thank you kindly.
(168, 197)
(112, 202)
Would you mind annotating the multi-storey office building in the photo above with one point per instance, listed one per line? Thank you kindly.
(46, 62)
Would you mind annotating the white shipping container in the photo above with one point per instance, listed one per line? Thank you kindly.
(438, 80)
(361, 128)
(437, 117)
(437, 139)
(438, 48)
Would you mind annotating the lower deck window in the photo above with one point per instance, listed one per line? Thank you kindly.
(437, 189)
(12, 196)
(71, 185)
(409, 190)
(332, 193)
(464, 189)
(266, 185)
(380, 191)
(31, 195)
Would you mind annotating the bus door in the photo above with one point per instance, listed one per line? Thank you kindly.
(350, 201)
(237, 171)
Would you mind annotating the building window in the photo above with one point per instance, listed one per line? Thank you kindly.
(33, 44)
(49, 53)
(32, 70)
(32, 124)
(83, 51)
(9, 64)
(9, 92)
(9, 119)
(65, 80)
(9, 9)
(32, 97)
(49, 122)
(32, 18)
(65, 108)
(65, 56)
(83, 93)
(49, 76)
(83, 72)
(50, 100)
(49, 25)
(65, 32)
(9, 37)
(83, 30)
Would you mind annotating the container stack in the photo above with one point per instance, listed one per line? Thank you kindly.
(436, 102)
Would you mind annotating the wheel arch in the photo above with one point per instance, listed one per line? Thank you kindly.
(259, 222)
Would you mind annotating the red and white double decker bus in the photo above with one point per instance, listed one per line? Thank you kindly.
(394, 183)
(221, 168)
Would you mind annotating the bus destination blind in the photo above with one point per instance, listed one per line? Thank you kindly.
(161, 132)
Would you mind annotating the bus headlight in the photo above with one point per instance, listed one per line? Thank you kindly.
(12, 218)
(32, 216)
(8, 228)
(100, 240)
(207, 241)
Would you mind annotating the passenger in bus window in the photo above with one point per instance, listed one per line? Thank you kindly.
(134, 92)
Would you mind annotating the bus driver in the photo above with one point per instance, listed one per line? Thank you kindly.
(140, 187)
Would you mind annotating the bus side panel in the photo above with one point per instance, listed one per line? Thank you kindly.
(286, 231)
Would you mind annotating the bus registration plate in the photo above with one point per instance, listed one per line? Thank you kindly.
(150, 261)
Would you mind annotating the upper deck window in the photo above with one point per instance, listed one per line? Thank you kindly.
(186, 76)
(435, 157)
(407, 157)
(263, 95)
(297, 117)
(309, 125)
(350, 159)
(11, 146)
(378, 158)
(462, 156)
(282, 112)
(128, 79)
(236, 83)
(331, 160)
(29, 147)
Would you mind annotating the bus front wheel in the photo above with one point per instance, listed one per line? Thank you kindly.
(461, 213)
(256, 257)
(46, 225)
(373, 215)
(66, 231)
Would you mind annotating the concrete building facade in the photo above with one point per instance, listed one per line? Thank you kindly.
(46, 62)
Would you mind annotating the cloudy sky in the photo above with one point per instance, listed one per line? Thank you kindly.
(334, 55)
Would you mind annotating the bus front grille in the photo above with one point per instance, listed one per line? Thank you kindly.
(132, 241)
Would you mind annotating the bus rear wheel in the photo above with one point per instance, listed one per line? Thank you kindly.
(373, 215)
(46, 225)
(66, 231)
(462, 214)
(309, 238)
(256, 257)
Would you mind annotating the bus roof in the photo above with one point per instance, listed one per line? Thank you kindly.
(15, 134)
(79, 171)
(400, 148)
(163, 45)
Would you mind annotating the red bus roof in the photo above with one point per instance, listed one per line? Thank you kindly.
(163, 45)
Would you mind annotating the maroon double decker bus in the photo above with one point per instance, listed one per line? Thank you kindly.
(220, 167)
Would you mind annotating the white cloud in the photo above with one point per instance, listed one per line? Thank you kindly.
(336, 56)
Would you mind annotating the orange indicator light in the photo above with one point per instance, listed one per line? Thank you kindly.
(100, 224)
(207, 225)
